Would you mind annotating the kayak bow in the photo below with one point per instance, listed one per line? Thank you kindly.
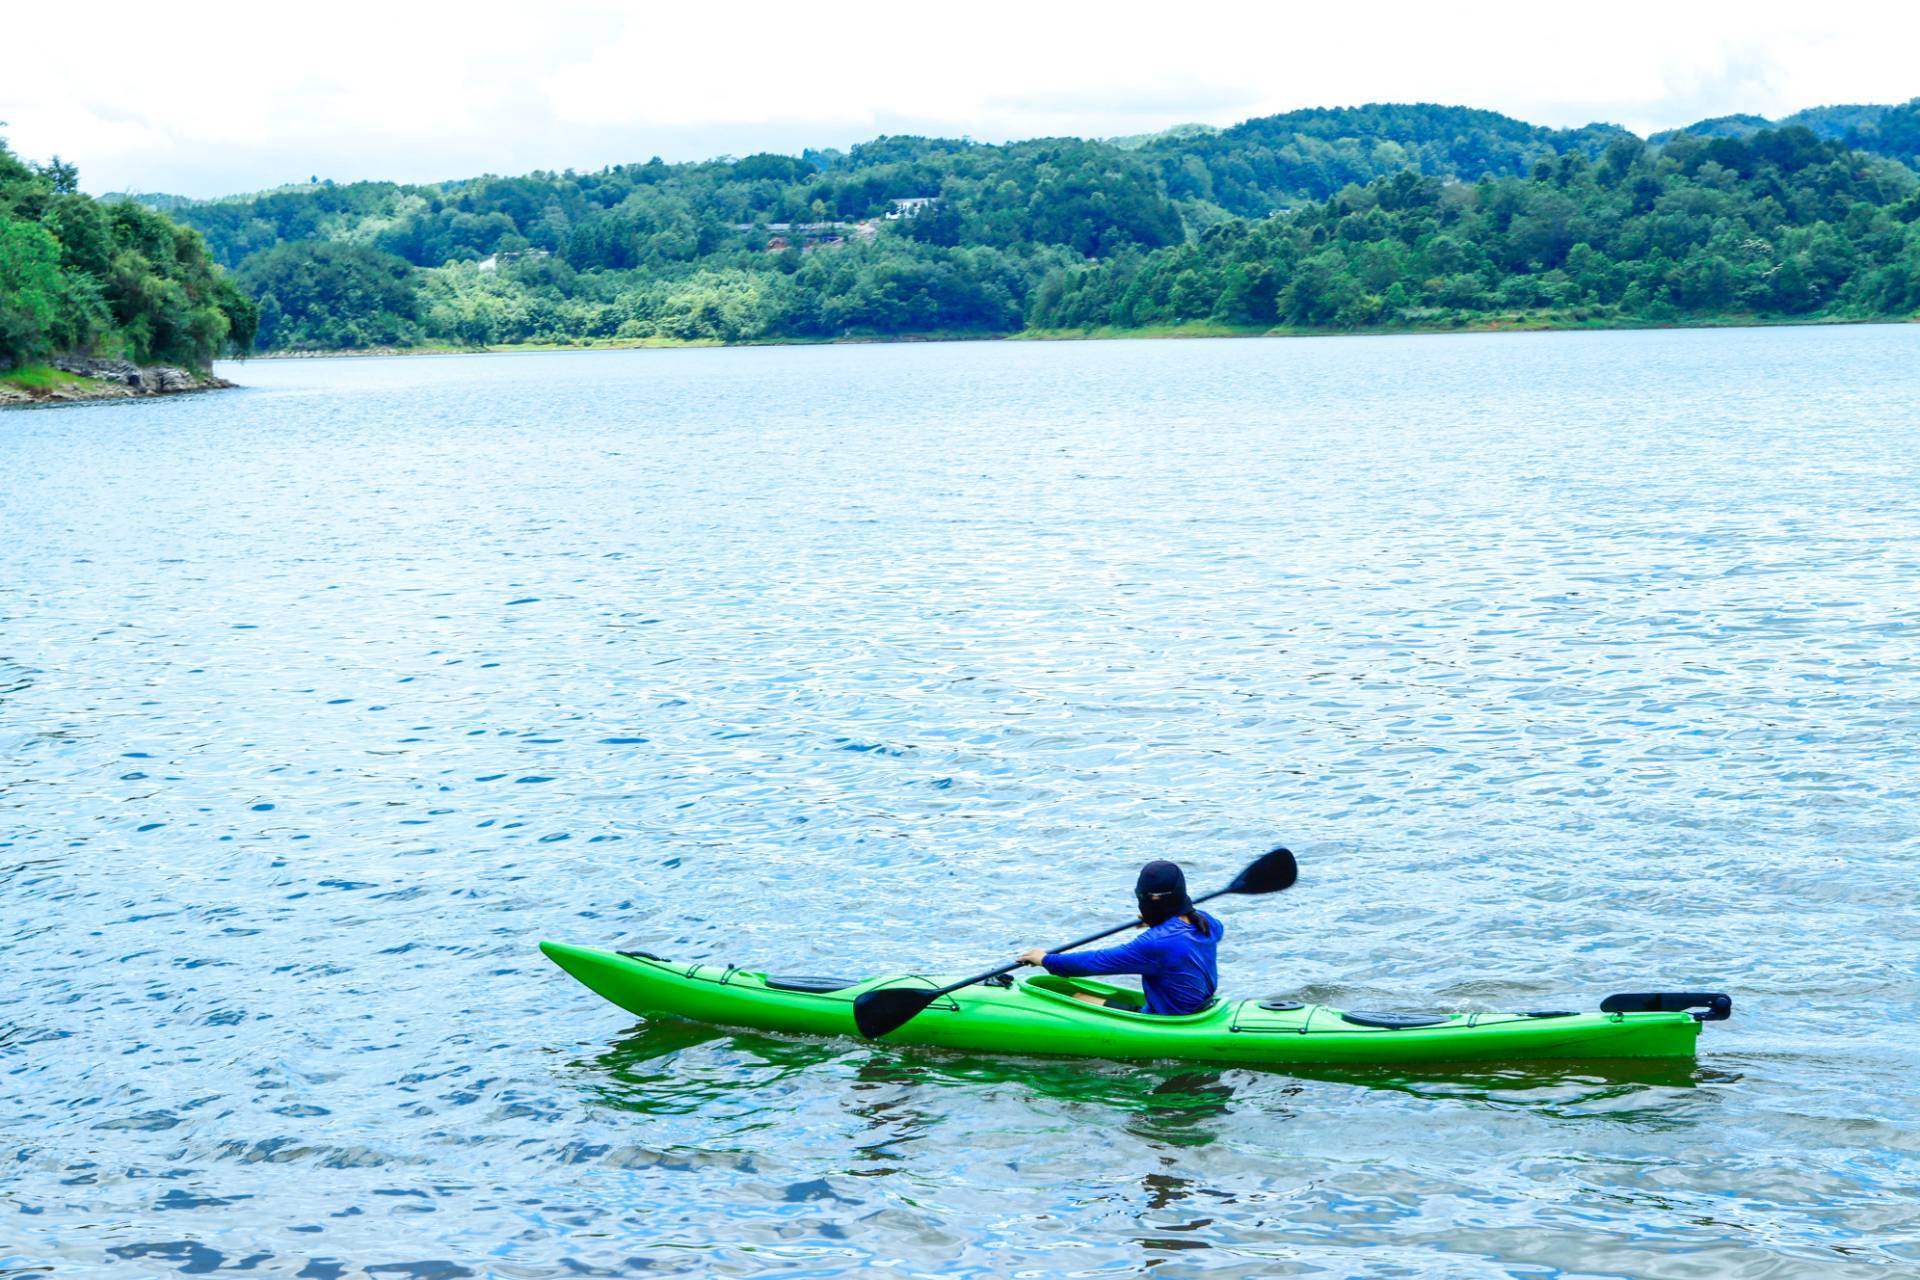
(1039, 1015)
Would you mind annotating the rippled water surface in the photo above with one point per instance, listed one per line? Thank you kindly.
(1567, 663)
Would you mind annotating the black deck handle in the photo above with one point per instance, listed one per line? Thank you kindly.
(1714, 1006)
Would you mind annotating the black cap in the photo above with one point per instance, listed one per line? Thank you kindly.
(1162, 892)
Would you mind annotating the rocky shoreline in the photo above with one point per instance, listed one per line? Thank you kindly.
(95, 379)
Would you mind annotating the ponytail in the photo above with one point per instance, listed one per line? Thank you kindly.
(1199, 922)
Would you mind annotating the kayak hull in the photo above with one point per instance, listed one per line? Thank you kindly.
(1039, 1015)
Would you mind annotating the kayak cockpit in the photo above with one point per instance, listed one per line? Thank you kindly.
(1119, 1002)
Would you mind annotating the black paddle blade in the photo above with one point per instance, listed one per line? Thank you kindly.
(1269, 873)
(876, 1013)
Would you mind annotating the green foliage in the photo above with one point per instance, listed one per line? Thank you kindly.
(1743, 125)
(891, 286)
(30, 289)
(36, 377)
(80, 276)
(1882, 130)
(319, 295)
(1896, 133)
(1345, 218)
(1777, 223)
(1172, 133)
(689, 252)
(1273, 162)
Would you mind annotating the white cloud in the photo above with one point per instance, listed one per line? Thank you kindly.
(224, 97)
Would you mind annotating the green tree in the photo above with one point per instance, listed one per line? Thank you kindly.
(334, 296)
(30, 290)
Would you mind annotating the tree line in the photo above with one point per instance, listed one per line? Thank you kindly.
(1413, 215)
(1775, 224)
(106, 278)
(817, 245)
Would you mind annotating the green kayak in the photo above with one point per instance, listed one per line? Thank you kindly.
(1039, 1015)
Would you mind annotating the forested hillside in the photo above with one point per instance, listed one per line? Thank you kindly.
(1779, 224)
(1887, 131)
(1894, 132)
(1275, 161)
(916, 236)
(79, 275)
(899, 235)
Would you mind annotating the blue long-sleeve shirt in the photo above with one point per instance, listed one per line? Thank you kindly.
(1179, 969)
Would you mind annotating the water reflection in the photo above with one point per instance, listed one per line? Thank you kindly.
(1163, 1192)
(644, 1071)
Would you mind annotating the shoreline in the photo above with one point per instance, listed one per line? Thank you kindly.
(1517, 322)
(1190, 331)
(630, 344)
(84, 380)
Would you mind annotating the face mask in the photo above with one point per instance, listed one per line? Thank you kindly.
(1159, 908)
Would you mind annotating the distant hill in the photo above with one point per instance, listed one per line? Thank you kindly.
(1134, 142)
(1738, 126)
(1836, 123)
(988, 192)
(912, 235)
(1274, 161)
(1894, 132)
(1772, 226)
(1884, 130)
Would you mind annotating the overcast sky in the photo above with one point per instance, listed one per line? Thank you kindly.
(213, 98)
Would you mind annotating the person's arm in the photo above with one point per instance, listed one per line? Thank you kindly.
(1141, 955)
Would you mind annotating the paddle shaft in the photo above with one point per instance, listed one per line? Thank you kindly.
(1071, 946)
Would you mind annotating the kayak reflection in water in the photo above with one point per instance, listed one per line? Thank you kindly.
(1176, 958)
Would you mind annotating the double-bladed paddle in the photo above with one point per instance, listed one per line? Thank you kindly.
(888, 1009)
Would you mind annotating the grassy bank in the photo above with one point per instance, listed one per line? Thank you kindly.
(110, 380)
(38, 378)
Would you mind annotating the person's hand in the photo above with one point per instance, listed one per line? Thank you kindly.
(1035, 956)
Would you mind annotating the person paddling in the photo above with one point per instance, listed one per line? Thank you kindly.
(1176, 958)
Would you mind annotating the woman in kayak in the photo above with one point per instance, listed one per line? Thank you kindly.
(1176, 957)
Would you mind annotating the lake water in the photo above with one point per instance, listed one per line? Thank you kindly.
(1567, 663)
